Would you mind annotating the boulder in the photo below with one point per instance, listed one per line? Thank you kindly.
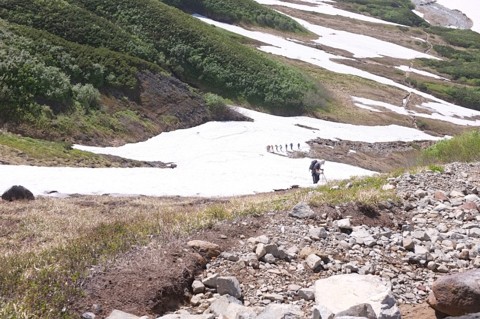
(230, 308)
(456, 294)
(117, 314)
(302, 211)
(229, 285)
(363, 310)
(281, 311)
(341, 292)
(469, 316)
(17, 192)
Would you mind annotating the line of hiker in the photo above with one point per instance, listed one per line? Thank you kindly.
(278, 148)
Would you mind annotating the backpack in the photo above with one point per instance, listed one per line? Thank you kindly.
(312, 164)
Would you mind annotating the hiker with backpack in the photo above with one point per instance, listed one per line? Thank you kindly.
(316, 169)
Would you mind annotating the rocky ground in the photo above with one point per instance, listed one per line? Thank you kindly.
(274, 260)
(436, 14)
(379, 157)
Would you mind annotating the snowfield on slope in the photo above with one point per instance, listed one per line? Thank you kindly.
(214, 159)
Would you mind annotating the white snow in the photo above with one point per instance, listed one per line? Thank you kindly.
(406, 68)
(438, 111)
(377, 106)
(214, 159)
(471, 8)
(361, 46)
(418, 13)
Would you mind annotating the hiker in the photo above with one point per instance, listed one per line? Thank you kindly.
(298, 145)
(286, 147)
(276, 148)
(316, 169)
(291, 146)
(280, 148)
(315, 175)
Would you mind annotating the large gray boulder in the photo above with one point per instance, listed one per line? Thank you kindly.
(118, 314)
(364, 310)
(341, 292)
(456, 294)
(301, 211)
(229, 285)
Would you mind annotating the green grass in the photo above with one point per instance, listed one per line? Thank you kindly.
(366, 190)
(16, 149)
(461, 148)
(397, 11)
(42, 149)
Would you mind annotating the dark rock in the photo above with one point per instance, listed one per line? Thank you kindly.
(301, 211)
(469, 316)
(17, 192)
(363, 310)
(456, 294)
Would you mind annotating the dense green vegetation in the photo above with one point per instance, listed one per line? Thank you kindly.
(397, 11)
(238, 11)
(461, 62)
(461, 148)
(59, 57)
(41, 69)
(466, 96)
(458, 37)
(200, 55)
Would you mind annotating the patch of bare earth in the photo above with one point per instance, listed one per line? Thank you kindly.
(157, 278)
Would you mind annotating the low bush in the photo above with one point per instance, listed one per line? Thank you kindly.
(397, 11)
(461, 148)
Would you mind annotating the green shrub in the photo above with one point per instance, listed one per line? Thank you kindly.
(397, 11)
(436, 168)
(216, 105)
(461, 148)
(87, 95)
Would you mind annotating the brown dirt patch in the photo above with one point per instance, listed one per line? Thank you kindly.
(156, 278)
(420, 311)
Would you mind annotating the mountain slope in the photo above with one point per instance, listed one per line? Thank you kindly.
(108, 46)
(110, 72)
